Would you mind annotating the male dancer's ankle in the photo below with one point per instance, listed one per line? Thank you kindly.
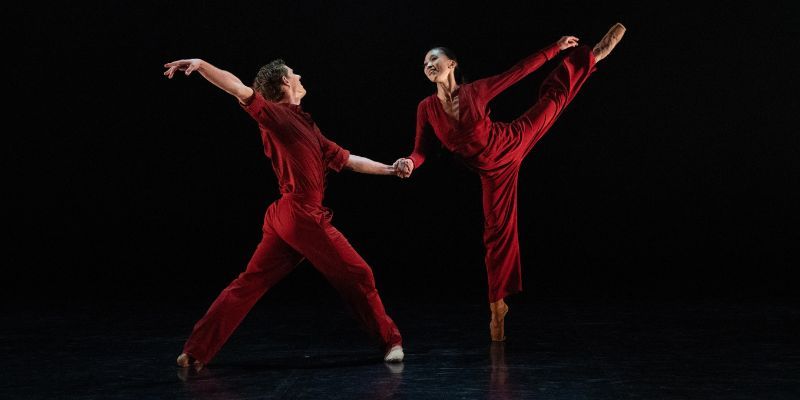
(186, 360)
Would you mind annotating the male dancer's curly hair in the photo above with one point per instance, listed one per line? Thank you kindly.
(268, 80)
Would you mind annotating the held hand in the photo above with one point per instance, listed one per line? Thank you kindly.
(188, 66)
(403, 167)
(566, 42)
(397, 169)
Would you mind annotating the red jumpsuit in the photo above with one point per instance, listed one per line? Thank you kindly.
(296, 226)
(496, 149)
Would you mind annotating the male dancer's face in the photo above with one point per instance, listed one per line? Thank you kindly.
(437, 66)
(293, 81)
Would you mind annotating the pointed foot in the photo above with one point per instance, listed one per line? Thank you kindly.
(603, 48)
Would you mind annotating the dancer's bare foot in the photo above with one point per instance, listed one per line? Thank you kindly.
(185, 361)
(394, 355)
(497, 325)
(603, 48)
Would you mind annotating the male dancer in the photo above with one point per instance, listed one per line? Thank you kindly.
(296, 226)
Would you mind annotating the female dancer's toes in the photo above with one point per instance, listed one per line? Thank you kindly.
(603, 48)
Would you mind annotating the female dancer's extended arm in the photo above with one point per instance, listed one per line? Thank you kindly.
(490, 87)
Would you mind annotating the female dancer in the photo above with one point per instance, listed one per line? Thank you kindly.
(459, 117)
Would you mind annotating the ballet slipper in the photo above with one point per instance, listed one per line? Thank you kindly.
(394, 355)
(603, 48)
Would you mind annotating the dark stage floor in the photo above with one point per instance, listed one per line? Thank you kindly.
(555, 350)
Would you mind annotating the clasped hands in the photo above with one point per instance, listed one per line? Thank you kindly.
(403, 167)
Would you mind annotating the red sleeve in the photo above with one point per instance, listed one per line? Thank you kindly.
(333, 155)
(258, 108)
(424, 136)
(490, 87)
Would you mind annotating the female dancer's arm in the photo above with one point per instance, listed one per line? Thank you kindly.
(490, 87)
(423, 141)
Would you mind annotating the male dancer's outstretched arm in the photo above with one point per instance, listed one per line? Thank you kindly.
(234, 86)
(220, 78)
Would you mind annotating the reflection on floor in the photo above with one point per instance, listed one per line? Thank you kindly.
(555, 349)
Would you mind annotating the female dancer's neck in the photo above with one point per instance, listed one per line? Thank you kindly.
(447, 90)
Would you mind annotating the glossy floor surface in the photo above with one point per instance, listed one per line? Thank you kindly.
(555, 350)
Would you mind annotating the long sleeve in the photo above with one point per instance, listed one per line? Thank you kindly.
(424, 136)
(488, 88)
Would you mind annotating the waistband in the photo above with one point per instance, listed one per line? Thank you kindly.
(314, 198)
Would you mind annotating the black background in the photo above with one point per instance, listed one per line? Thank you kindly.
(673, 174)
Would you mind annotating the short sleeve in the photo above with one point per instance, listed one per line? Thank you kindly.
(258, 108)
(334, 156)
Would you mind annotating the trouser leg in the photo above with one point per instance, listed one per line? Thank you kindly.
(271, 262)
(555, 93)
(330, 253)
(503, 267)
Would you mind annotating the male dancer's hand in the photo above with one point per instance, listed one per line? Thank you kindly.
(566, 42)
(403, 167)
(188, 66)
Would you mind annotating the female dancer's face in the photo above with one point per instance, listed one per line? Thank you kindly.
(437, 66)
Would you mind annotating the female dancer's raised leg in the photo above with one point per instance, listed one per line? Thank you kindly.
(500, 195)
